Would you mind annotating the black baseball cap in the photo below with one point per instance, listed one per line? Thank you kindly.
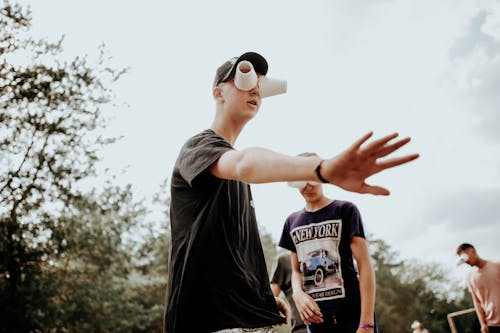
(227, 69)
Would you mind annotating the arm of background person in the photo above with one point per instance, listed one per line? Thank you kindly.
(480, 312)
(308, 309)
(283, 308)
(275, 288)
(366, 281)
(347, 170)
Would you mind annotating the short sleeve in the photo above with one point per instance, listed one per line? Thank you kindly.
(282, 270)
(286, 241)
(356, 223)
(199, 153)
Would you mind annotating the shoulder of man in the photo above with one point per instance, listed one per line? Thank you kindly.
(495, 264)
(346, 205)
(293, 216)
(284, 258)
(199, 152)
(471, 275)
(206, 136)
(347, 209)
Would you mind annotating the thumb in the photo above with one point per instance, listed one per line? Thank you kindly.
(373, 189)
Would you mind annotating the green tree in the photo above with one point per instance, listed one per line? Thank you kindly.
(269, 248)
(408, 291)
(153, 259)
(96, 281)
(50, 114)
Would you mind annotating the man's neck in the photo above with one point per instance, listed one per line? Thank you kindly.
(312, 206)
(226, 128)
(481, 263)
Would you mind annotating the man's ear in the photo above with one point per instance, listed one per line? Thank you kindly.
(217, 93)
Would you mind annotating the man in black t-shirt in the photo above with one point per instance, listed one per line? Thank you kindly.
(217, 274)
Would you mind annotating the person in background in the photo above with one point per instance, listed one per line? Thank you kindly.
(281, 280)
(324, 238)
(417, 327)
(484, 284)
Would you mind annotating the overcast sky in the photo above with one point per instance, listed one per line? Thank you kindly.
(426, 69)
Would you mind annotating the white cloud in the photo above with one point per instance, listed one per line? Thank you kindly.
(475, 70)
(470, 208)
(492, 24)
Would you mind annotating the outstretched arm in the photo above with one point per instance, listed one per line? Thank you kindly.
(350, 169)
(261, 165)
(347, 170)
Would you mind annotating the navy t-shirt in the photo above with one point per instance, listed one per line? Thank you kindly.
(217, 274)
(322, 241)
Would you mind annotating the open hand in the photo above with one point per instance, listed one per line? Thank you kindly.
(350, 169)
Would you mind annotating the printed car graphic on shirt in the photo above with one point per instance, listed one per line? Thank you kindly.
(318, 265)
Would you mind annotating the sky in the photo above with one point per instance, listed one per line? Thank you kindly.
(425, 69)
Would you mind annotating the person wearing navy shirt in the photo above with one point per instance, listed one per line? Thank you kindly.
(324, 238)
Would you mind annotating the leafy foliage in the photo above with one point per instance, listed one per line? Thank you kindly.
(67, 258)
(409, 291)
(96, 285)
(269, 247)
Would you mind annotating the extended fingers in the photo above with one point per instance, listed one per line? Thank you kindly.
(373, 189)
(397, 161)
(312, 313)
(311, 318)
(375, 145)
(379, 190)
(389, 148)
(356, 145)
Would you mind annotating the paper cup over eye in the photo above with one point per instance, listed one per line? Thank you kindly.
(270, 87)
(245, 77)
(462, 258)
(302, 184)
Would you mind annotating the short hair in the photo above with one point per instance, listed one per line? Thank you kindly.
(463, 247)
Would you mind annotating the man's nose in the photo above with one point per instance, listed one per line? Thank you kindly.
(255, 90)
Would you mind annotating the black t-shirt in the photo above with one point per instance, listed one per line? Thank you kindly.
(217, 275)
(322, 241)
